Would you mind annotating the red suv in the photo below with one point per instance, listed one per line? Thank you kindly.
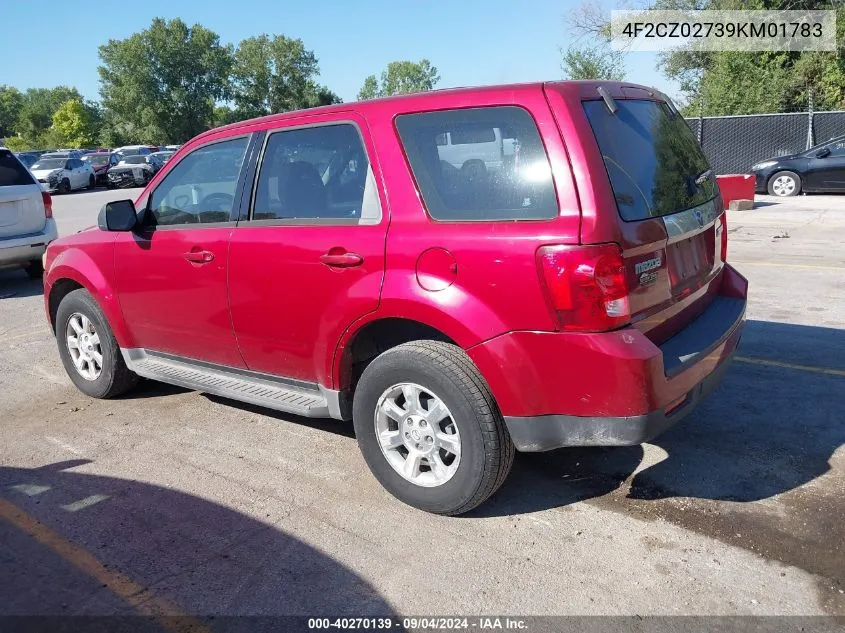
(461, 273)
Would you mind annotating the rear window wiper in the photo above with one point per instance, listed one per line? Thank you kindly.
(703, 176)
(608, 99)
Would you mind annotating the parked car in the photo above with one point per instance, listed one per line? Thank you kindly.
(132, 150)
(578, 297)
(62, 175)
(819, 169)
(133, 171)
(101, 162)
(163, 156)
(27, 158)
(26, 216)
(172, 148)
(66, 153)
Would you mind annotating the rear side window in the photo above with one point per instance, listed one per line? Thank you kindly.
(494, 167)
(654, 162)
(12, 172)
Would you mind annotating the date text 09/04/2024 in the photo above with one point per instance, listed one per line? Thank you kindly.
(421, 623)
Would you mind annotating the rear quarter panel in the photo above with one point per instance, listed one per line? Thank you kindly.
(491, 285)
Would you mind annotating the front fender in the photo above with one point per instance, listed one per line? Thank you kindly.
(95, 273)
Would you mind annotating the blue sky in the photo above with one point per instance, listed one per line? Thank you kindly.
(471, 42)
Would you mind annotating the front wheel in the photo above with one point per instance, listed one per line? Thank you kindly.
(784, 184)
(92, 183)
(88, 349)
(429, 429)
(64, 186)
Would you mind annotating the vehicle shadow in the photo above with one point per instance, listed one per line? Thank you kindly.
(766, 430)
(14, 282)
(79, 544)
(328, 425)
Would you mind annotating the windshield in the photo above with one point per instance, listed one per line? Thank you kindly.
(96, 160)
(49, 163)
(654, 162)
(134, 160)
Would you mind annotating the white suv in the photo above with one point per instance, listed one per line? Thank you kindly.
(63, 174)
(26, 216)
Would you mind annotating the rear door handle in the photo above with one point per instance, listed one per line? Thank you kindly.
(199, 257)
(341, 260)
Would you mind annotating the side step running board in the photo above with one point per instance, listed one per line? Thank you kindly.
(259, 389)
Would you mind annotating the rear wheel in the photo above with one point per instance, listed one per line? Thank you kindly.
(88, 349)
(92, 182)
(784, 184)
(429, 428)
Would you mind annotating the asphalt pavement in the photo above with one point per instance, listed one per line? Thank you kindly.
(176, 502)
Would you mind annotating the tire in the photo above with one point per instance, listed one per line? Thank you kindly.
(35, 270)
(445, 372)
(92, 183)
(64, 186)
(785, 184)
(114, 377)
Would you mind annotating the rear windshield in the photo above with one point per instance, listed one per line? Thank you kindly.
(494, 168)
(654, 162)
(96, 159)
(12, 172)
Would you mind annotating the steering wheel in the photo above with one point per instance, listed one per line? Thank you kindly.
(182, 201)
(223, 201)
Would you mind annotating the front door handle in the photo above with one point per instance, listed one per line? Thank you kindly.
(199, 257)
(341, 260)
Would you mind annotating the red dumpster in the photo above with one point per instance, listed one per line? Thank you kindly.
(736, 187)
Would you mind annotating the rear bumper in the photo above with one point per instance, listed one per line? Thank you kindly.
(613, 388)
(27, 248)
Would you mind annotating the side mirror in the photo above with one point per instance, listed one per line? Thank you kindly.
(824, 151)
(117, 216)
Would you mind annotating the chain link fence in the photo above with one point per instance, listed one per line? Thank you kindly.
(734, 143)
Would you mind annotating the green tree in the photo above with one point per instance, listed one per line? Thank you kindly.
(75, 124)
(275, 74)
(400, 77)
(730, 82)
(593, 62)
(162, 84)
(38, 107)
(11, 101)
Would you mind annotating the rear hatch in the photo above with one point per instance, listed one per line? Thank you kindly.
(21, 203)
(665, 210)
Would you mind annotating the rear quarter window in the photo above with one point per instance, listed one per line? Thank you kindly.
(12, 172)
(655, 165)
(494, 168)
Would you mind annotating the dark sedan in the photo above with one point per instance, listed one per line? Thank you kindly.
(818, 169)
(101, 162)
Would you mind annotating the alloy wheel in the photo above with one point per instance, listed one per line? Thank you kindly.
(783, 185)
(417, 434)
(83, 344)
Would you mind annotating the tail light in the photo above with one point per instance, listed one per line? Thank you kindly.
(724, 221)
(586, 286)
(48, 204)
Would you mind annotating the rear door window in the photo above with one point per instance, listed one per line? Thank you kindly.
(12, 172)
(655, 165)
(494, 167)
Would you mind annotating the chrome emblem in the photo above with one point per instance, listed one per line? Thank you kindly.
(648, 278)
(647, 265)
